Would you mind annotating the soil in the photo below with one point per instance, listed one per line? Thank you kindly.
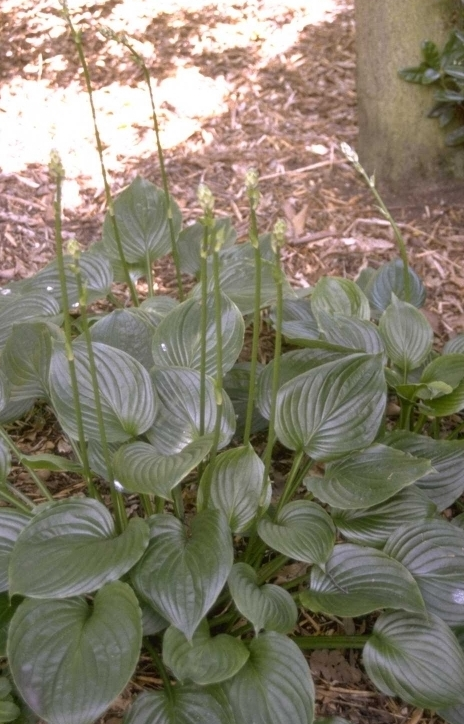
(261, 83)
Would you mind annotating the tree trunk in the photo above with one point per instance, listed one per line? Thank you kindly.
(397, 141)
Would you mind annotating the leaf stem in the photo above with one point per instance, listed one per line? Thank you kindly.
(156, 658)
(330, 642)
(18, 454)
(8, 493)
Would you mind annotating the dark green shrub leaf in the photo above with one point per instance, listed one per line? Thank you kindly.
(275, 684)
(267, 607)
(333, 409)
(70, 660)
(141, 212)
(128, 330)
(433, 552)
(180, 575)
(11, 524)
(417, 658)
(140, 469)
(335, 295)
(358, 580)
(182, 705)
(177, 340)
(446, 484)
(235, 485)
(204, 660)
(71, 547)
(414, 74)
(368, 477)
(302, 530)
(126, 392)
(407, 334)
(431, 55)
(373, 526)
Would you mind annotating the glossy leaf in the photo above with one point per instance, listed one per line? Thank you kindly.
(388, 279)
(182, 705)
(48, 461)
(126, 393)
(5, 461)
(302, 530)
(333, 409)
(267, 607)
(180, 575)
(141, 212)
(275, 684)
(446, 371)
(407, 335)
(335, 295)
(6, 614)
(358, 335)
(26, 358)
(177, 340)
(70, 660)
(140, 469)
(31, 307)
(128, 330)
(155, 309)
(178, 420)
(433, 552)
(11, 524)
(206, 659)
(357, 580)
(299, 323)
(373, 526)
(234, 485)
(455, 345)
(237, 385)
(5, 391)
(71, 547)
(368, 477)
(191, 240)
(417, 658)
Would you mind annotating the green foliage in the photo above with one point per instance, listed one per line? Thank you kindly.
(444, 72)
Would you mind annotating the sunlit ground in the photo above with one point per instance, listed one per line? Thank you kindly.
(37, 114)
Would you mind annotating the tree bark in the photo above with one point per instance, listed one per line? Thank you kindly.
(397, 141)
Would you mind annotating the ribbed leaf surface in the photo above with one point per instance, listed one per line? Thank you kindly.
(183, 705)
(407, 335)
(11, 524)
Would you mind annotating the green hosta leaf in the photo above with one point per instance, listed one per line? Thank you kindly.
(71, 547)
(14, 410)
(373, 526)
(352, 333)
(417, 658)
(181, 575)
(31, 307)
(447, 458)
(204, 660)
(291, 365)
(5, 461)
(70, 660)
(8, 710)
(407, 334)
(126, 392)
(6, 614)
(302, 530)
(155, 309)
(178, 421)
(447, 370)
(388, 279)
(47, 461)
(235, 486)
(267, 607)
(152, 622)
(5, 391)
(177, 340)
(11, 524)
(237, 385)
(128, 330)
(335, 295)
(358, 580)
(275, 684)
(141, 212)
(455, 345)
(140, 469)
(333, 409)
(299, 323)
(368, 477)
(433, 552)
(26, 358)
(182, 705)
(191, 239)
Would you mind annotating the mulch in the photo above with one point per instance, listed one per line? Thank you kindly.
(237, 84)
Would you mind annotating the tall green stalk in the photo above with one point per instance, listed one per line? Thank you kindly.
(251, 182)
(206, 200)
(77, 38)
(124, 40)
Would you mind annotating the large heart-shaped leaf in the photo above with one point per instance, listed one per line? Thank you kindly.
(70, 659)
(275, 684)
(445, 483)
(433, 551)
(333, 409)
(181, 575)
(181, 705)
(298, 323)
(11, 524)
(26, 358)
(357, 580)
(417, 658)
(302, 530)
(178, 419)
(191, 238)
(31, 307)
(140, 469)
(267, 607)
(71, 547)
(234, 483)
(129, 330)
(373, 526)
(126, 392)
(388, 279)
(368, 477)
(356, 334)
(178, 338)
(407, 334)
(204, 660)
(445, 374)
(339, 296)
(141, 212)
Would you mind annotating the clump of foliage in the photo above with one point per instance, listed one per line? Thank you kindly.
(178, 541)
(444, 72)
